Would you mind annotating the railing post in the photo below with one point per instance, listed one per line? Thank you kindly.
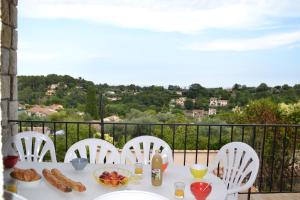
(102, 116)
(293, 159)
(208, 144)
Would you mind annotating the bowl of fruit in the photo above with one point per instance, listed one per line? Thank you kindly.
(112, 176)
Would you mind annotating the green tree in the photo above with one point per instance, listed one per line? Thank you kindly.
(201, 103)
(189, 104)
(91, 103)
(263, 111)
(195, 90)
(262, 87)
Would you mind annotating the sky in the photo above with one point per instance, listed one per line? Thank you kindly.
(162, 42)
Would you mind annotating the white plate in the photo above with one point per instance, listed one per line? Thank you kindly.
(13, 196)
(132, 195)
(28, 184)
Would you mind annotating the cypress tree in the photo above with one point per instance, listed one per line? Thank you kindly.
(91, 102)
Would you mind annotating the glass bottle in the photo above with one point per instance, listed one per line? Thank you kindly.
(156, 169)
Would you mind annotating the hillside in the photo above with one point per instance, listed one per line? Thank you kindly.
(74, 94)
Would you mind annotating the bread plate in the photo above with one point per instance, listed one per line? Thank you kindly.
(28, 184)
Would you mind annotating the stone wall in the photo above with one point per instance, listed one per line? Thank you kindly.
(8, 63)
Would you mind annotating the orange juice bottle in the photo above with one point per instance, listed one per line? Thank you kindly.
(156, 169)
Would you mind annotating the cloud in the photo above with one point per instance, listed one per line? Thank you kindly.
(293, 46)
(248, 44)
(166, 15)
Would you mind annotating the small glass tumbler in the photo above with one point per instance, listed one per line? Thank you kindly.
(138, 169)
(10, 185)
(179, 190)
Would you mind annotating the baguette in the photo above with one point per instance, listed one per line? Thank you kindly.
(68, 182)
(55, 182)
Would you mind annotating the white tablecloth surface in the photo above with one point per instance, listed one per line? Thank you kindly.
(173, 174)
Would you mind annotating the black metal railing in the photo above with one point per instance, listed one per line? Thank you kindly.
(277, 145)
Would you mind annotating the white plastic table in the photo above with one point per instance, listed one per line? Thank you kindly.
(173, 174)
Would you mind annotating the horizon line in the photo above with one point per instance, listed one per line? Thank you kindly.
(166, 86)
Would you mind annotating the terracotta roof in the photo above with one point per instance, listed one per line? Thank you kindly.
(44, 110)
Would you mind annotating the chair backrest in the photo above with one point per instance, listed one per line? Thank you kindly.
(132, 150)
(30, 146)
(240, 166)
(89, 148)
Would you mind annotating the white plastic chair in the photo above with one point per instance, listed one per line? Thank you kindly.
(35, 147)
(146, 141)
(240, 163)
(90, 146)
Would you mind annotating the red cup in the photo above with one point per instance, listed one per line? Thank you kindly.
(10, 161)
(200, 190)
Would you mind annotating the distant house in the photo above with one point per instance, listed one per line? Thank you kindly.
(212, 111)
(43, 111)
(179, 93)
(51, 89)
(53, 86)
(195, 113)
(180, 101)
(96, 124)
(113, 118)
(215, 102)
(56, 107)
(80, 113)
(110, 93)
(21, 107)
(40, 111)
(50, 92)
(223, 102)
(113, 98)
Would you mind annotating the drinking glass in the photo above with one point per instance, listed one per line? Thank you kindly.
(10, 185)
(138, 169)
(179, 190)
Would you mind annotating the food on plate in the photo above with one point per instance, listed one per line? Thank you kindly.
(113, 179)
(27, 175)
(55, 181)
(68, 182)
